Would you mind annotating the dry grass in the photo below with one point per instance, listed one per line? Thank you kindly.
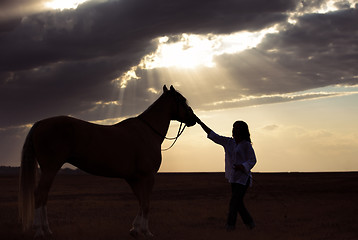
(193, 206)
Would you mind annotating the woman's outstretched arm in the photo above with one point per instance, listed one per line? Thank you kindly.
(204, 127)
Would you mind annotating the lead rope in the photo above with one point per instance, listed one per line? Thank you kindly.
(180, 131)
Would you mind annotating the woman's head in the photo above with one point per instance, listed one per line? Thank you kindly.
(240, 131)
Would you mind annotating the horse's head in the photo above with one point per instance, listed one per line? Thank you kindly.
(181, 110)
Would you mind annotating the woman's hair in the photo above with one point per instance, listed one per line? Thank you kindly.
(243, 130)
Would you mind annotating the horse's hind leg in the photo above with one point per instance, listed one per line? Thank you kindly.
(41, 194)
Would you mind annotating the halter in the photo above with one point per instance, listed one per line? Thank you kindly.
(180, 131)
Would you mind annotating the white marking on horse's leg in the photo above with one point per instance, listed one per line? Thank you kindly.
(145, 228)
(38, 223)
(137, 221)
(136, 226)
(41, 225)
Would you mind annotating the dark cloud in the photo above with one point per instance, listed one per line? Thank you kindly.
(320, 50)
(62, 62)
(12, 12)
(109, 28)
(11, 141)
(62, 88)
(8, 24)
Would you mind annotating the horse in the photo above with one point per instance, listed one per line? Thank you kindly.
(130, 149)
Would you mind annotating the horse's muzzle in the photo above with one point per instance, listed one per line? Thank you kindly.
(191, 123)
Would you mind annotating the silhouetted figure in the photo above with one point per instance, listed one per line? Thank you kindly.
(239, 160)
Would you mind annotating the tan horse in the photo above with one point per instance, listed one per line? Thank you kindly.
(130, 149)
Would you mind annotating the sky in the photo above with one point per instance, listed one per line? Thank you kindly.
(288, 68)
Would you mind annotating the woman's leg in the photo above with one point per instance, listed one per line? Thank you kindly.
(237, 205)
(233, 206)
(244, 213)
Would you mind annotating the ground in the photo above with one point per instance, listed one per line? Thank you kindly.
(194, 206)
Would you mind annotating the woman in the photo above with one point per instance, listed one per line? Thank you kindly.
(239, 160)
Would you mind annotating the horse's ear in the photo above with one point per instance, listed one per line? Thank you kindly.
(172, 88)
(165, 89)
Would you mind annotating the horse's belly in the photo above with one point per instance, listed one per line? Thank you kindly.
(116, 153)
(105, 170)
(105, 165)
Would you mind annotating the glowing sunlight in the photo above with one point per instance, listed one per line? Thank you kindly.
(64, 4)
(189, 51)
(192, 50)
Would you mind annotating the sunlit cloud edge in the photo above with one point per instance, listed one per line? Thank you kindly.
(272, 99)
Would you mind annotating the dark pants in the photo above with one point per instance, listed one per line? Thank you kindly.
(237, 205)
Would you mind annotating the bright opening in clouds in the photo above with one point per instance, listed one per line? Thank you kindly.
(191, 50)
(188, 51)
(64, 4)
(334, 5)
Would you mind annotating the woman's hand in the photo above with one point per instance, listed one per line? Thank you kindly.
(204, 127)
(198, 119)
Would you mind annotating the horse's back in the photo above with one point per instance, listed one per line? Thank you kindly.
(106, 150)
(50, 132)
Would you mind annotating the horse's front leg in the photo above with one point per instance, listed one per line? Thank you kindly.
(142, 188)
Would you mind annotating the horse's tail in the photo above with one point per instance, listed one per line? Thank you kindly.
(27, 181)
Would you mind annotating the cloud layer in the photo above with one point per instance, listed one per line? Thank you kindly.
(62, 62)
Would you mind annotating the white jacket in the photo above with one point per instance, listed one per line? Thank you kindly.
(235, 154)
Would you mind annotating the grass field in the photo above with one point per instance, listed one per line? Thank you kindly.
(285, 206)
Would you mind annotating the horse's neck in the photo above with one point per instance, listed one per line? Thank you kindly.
(158, 116)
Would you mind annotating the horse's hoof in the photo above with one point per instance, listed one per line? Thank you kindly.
(148, 235)
(134, 233)
(43, 236)
(39, 235)
(48, 236)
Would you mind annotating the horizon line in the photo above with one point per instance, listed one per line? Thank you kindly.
(203, 172)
